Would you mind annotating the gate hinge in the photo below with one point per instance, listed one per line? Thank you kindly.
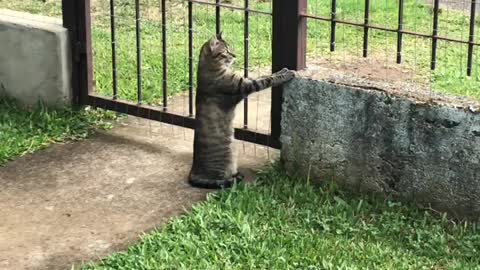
(78, 50)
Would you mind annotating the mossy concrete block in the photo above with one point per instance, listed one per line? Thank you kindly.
(370, 141)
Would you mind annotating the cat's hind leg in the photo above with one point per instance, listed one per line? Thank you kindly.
(239, 177)
(203, 182)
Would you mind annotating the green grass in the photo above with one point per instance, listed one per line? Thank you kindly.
(280, 222)
(450, 75)
(23, 131)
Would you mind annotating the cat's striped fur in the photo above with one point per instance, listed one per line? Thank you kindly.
(219, 90)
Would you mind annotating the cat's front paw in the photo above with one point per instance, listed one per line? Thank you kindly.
(284, 71)
(286, 74)
(283, 76)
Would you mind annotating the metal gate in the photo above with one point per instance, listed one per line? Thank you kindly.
(288, 50)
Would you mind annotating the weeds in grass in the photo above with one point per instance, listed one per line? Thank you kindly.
(23, 131)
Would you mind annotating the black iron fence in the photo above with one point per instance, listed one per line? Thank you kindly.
(289, 49)
(400, 31)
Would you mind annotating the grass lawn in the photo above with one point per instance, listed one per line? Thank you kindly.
(285, 223)
(450, 75)
(24, 131)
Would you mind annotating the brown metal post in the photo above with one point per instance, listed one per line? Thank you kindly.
(76, 18)
(288, 50)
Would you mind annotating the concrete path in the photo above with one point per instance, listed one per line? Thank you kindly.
(80, 201)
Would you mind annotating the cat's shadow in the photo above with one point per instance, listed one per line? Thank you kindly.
(180, 149)
(183, 153)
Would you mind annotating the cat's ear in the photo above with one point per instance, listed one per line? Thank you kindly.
(220, 35)
(213, 43)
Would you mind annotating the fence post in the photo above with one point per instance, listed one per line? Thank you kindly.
(288, 50)
(76, 18)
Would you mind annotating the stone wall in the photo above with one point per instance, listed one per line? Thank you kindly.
(371, 141)
(34, 59)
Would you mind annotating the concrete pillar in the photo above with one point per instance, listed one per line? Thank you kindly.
(34, 59)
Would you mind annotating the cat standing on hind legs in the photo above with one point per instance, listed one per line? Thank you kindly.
(219, 90)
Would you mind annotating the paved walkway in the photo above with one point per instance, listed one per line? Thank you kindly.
(80, 201)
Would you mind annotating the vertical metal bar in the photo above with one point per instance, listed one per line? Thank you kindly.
(114, 54)
(365, 27)
(245, 61)
(399, 32)
(70, 22)
(190, 59)
(288, 50)
(217, 16)
(164, 55)
(139, 51)
(434, 33)
(86, 49)
(333, 25)
(76, 18)
(69, 8)
(471, 37)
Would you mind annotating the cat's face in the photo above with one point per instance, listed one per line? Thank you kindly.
(219, 52)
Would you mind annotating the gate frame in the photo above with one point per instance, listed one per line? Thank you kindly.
(76, 18)
(288, 50)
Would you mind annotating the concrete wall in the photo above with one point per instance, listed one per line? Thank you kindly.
(34, 59)
(373, 142)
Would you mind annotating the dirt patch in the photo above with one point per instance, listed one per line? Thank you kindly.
(460, 5)
(375, 74)
(374, 67)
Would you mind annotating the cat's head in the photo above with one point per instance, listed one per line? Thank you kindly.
(217, 51)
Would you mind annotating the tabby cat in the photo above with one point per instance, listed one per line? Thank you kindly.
(219, 90)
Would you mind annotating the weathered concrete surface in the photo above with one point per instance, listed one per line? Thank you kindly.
(34, 59)
(80, 201)
(371, 141)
